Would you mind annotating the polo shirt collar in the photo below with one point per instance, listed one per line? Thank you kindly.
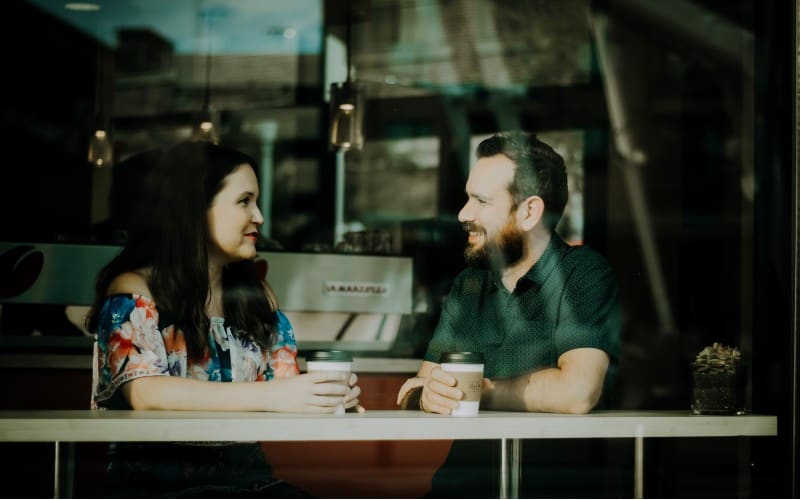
(541, 270)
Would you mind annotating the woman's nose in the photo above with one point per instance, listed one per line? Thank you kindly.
(258, 218)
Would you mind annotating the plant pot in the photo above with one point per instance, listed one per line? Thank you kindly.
(719, 393)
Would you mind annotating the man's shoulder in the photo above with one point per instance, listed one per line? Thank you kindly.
(585, 256)
(585, 267)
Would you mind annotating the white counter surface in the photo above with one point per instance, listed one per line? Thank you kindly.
(87, 425)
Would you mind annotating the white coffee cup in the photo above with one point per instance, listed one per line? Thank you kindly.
(330, 361)
(467, 368)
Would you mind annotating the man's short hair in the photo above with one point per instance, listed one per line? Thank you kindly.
(540, 171)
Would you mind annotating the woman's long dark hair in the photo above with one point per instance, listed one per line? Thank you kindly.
(172, 241)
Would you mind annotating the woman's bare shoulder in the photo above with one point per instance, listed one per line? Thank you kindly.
(131, 282)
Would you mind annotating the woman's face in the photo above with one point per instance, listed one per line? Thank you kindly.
(234, 217)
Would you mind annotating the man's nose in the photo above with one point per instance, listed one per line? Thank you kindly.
(465, 214)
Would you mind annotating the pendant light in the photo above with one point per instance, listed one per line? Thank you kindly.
(347, 103)
(100, 149)
(204, 128)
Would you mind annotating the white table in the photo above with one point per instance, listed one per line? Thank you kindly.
(507, 427)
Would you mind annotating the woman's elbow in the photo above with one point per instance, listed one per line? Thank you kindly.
(138, 396)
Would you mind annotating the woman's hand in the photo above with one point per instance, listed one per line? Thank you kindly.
(317, 392)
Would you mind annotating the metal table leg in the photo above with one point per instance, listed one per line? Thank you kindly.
(68, 479)
(57, 470)
(510, 451)
(638, 467)
(62, 479)
(515, 451)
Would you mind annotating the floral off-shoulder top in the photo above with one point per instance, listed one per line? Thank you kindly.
(132, 342)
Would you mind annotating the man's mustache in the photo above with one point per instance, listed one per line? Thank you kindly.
(472, 228)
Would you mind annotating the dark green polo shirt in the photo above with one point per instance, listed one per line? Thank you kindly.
(567, 300)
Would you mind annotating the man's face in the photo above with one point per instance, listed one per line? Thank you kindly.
(494, 238)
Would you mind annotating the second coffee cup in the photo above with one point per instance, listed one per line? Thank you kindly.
(467, 368)
(330, 361)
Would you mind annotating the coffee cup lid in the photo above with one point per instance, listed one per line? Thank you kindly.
(461, 357)
(333, 355)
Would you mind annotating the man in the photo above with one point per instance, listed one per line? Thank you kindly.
(544, 314)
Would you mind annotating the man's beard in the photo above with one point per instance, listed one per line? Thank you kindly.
(500, 252)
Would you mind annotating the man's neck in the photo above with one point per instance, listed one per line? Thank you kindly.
(535, 247)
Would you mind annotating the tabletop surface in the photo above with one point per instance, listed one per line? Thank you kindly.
(88, 425)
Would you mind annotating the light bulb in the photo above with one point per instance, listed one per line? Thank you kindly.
(205, 130)
(347, 111)
(100, 150)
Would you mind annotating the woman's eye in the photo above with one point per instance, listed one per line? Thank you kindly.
(244, 201)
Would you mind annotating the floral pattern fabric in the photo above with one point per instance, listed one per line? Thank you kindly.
(131, 343)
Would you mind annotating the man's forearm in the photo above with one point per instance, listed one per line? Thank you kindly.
(545, 390)
(505, 394)
(575, 386)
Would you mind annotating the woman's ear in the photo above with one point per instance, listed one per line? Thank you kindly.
(532, 211)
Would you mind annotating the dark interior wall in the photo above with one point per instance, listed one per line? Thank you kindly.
(775, 339)
(684, 111)
(726, 256)
(49, 81)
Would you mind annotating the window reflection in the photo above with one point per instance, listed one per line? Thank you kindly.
(671, 115)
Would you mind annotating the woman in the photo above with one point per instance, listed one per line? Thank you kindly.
(182, 309)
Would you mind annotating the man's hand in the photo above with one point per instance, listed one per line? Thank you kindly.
(432, 390)
(439, 394)
(407, 392)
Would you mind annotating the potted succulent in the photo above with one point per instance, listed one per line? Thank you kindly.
(720, 379)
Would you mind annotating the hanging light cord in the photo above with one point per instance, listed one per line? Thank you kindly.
(347, 38)
(207, 97)
(207, 29)
(98, 93)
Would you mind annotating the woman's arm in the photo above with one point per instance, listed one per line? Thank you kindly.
(134, 343)
(319, 392)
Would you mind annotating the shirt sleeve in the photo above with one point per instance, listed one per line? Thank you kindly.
(129, 345)
(283, 355)
(589, 315)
